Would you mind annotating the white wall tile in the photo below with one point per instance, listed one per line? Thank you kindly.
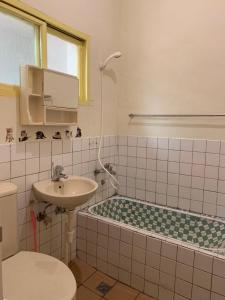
(197, 194)
(199, 145)
(186, 144)
(163, 143)
(185, 181)
(4, 153)
(173, 178)
(210, 197)
(45, 163)
(162, 166)
(162, 154)
(198, 170)
(221, 199)
(211, 172)
(45, 148)
(185, 192)
(18, 151)
(161, 177)
(196, 206)
(209, 209)
(30, 179)
(211, 185)
(67, 145)
(199, 158)
(220, 211)
(20, 183)
(222, 173)
(57, 159)
(197, 182)
(174, 155)
(172, 190)
(213, 146)
(132, 151)
(122, 140)
(77, 144)
(67, 159)
(222, 147)
(5, 171)
(174, 144)
(152, 142)
(142, 141)
(222, 161)
(184, 204)
(212, 159)
(18, 168)
(173, 167)
(151, 153)
(186, 157)
(32, 150)
(56, 147)
(185, 169)
(161, 188)
(151, 164)
(132, 141)
(141, 162)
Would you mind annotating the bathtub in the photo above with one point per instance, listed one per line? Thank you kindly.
(165, 253)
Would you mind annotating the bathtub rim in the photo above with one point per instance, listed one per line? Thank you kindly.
(203, 216)
(88, 213)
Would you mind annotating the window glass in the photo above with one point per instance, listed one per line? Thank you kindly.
(62, 55)
(18, 47)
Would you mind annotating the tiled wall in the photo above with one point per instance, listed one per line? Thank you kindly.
(26, 163)
(155, 266)
(183, 173)
(180, 173)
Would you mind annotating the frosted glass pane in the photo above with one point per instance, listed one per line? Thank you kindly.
(63, 56)
(17, 40)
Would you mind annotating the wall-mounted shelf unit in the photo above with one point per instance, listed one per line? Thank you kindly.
(48, 97)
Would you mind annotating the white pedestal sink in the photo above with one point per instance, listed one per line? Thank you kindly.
(67, 193)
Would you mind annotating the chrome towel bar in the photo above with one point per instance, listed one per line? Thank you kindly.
(173, 115)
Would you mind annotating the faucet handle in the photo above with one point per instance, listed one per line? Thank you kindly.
(59, 168)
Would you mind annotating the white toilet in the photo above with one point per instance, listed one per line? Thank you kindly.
(29, 275)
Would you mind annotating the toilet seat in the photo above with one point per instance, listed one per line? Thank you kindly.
(31, 275)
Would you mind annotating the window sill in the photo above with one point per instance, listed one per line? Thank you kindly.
(9, 90)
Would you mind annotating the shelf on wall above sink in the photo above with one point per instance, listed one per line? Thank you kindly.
(48, 97)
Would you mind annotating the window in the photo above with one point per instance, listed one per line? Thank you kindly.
(18, 46)
(62, 53)
(27, 37)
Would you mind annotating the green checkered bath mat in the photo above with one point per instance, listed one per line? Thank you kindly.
(193, 229)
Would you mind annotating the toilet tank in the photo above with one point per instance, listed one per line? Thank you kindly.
(8, 217)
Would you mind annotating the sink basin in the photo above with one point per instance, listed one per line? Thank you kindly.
(68, 193)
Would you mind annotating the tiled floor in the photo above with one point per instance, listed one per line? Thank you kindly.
(88, 279)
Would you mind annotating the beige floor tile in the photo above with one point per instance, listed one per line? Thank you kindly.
(144, 297)
(121, 292)
(85, 294)
(96, 279)
(81, 270)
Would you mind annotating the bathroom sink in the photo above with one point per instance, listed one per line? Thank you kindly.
(68, 193)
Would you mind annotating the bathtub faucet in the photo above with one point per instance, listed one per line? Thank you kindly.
(108, 167)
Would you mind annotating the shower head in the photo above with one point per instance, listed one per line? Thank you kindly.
(117, 54)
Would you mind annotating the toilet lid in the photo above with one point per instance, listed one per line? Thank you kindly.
(30, 275)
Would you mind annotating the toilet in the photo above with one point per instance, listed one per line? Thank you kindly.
(29, 275)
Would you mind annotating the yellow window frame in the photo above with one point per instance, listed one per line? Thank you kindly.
(46, 23)
(78, 43)
(14, 90)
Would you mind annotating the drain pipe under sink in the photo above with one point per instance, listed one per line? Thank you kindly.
(70, 233)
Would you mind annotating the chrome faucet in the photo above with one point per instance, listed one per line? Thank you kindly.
(58, 173)
(108, 167)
